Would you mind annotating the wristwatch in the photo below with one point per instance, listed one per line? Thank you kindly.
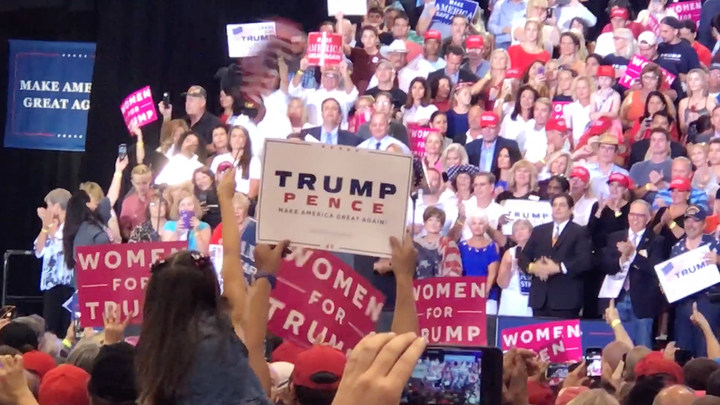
(270, 278)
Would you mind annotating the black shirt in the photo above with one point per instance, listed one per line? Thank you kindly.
(205, 126)
(682, 55)
(399, 97)
(617, 62)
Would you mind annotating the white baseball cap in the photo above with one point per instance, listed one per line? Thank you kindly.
(647, 37)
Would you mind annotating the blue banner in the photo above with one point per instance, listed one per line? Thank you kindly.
(447, 9)
(49, 87)
(594, 333)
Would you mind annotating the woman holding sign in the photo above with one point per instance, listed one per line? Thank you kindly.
(515, 283)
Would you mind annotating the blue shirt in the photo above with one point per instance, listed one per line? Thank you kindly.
(504, 16)
(171, 226)
(697, 197)
(486, 156)
(476, 261)
(598, 179)
(333, 135)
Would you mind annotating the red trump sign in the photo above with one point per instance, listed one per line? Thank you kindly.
(115, 276)
(317, 294)
(451, 310)
(324, 49)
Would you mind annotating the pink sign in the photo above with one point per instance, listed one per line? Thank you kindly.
(557, 342)
(112, 276)
(361, 116)
(451, 310)
(687, 10)
(324, 49)
(418, 135)
(559, 109)
(318, 294)
(138, 109)
(652, 24)
(634, 68)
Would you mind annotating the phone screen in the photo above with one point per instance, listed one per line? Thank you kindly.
(445, 377)
(122, 151)
(541, 70)
(556, 373)
(593, 362)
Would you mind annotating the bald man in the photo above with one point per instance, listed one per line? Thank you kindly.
(633, 357)
(613, 353)
(675, 395)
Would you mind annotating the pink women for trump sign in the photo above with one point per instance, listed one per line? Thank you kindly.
(451, 310)
(687, 10)
(556, 342)
(634, 69)
(115, 276)
(418, 135)
(138, 109)
(317, 294)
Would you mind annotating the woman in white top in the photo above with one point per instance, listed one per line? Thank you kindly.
(577, 113)
(514, 123)
(417, 109)
(247, 176)
(657, 9)
(221, 142)
(170, 134)
(514, 283)
(182, 165)
(297, 114)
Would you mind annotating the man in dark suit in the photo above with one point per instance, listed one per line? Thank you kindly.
(483, 152)
(329, 132)
(629, 261)
(454, 59)
(556, 255)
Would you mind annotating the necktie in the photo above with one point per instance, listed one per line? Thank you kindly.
(556, 234)
(328, 139)
(377, 145)
(635, 240)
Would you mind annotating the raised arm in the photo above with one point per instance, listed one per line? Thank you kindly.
(404, 258)
(139, 145)
(114, 191)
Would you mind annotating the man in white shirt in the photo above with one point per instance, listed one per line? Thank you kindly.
(579, 184)
(557, 134)
(380, 129)
(329, 89)
(430, 61)
(480, 203)
(533, 140)
(432, 199)
(608, 147)
(475, 131)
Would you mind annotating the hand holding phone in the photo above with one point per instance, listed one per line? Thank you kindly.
(166, 100)
(593, 362)
(122, 151)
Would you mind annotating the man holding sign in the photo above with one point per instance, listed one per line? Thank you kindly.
(686, 335)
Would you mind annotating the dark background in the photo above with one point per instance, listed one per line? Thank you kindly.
(167, 44)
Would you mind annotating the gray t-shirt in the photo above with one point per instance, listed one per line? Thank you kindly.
(640, 174)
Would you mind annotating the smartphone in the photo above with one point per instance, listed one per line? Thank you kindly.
(185, 217)
(541, 70)
(556, 373)
(682, 357)
(593, 362)
(122, 151)
(77, 329)
(456, 375)
(549, 13)
(166, 100)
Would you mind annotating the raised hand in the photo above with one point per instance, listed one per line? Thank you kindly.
(611, 313)
(268, 258)
(114, 328)
(404, 256)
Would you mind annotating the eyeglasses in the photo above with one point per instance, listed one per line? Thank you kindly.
(200, 261)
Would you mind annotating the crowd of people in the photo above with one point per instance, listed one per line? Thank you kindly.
(521, 103)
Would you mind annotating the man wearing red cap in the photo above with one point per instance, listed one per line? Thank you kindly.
(619, 18)
(579, 190)
(483, 152)
(476, 64)
(454, 57)
(431, 60)
(681, 169)
(317, 375)
(556, 132)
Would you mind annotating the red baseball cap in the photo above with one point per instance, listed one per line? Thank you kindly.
(65, 384)
(489, 119)
(474, 42)
(680, 184)
(319, 359)
(433, 34)
(655, 363)
(580, 173)
(513, 73)
(556, 124)
(606, 71)
(619, 12)
(287, 352)
(620, 178)
(38, 362)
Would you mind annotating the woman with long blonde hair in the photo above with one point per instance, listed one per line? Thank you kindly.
(297, 113)
(522, 184)
(491, 86)
(531, 48)
(537, 9)
(698, 101)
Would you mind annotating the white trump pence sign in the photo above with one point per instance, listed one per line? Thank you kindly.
(687, 274)
(537, 212)
(248, 39)
(335, 198)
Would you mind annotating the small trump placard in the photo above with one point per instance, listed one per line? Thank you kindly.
(336, 198)
(687, 274)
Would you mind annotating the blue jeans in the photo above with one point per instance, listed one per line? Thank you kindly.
(639, 330)
(687, 335)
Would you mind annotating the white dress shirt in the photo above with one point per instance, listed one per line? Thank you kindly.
(493, 212)
(511, 129)
(635, 239)
(583, 210)
(577, 118)
(532, 142)
(385, 142)
(315, 97)
(178, 170)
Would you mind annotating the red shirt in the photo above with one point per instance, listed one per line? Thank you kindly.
(216, 238)
(520, 59)
(704, 54)
(133, 212)
(363, 67)
(633, 26)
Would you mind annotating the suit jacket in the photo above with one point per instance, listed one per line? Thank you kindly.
(573, 249)
(645, 294)
(346, 138)
(475, 147)
(464, 76)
